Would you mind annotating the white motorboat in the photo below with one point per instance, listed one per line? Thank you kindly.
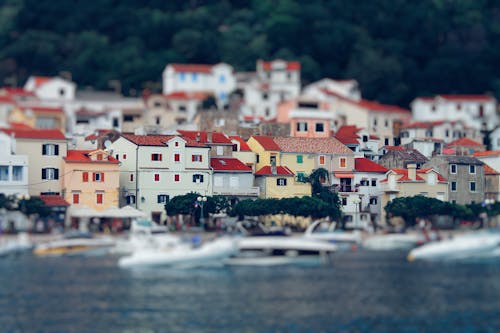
(145, 234)
(474, 245)
(18, 245)
(329, 233)
(75, 243)
(394, 241)
(183, 254)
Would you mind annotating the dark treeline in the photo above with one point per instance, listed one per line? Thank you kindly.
(396, 49)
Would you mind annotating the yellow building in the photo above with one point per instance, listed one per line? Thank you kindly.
(91, 178)
(43, 117)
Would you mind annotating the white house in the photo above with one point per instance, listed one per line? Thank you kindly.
(155, 168)
(445, 130)
(346, 88)
(274, 82)
(51, 88)
(233, 178)
(495, 138)
(478, 111)
(13, 168)
(216, 79)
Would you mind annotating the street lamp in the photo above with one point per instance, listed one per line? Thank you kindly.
(202, 200)
(356, 201)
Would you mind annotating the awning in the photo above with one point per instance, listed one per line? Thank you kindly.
(343, 175)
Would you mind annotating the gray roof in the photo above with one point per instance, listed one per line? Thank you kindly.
(452, 159)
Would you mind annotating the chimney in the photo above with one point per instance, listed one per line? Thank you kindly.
(209, 137)
(412, 171)
(273, 167)
(198, 137)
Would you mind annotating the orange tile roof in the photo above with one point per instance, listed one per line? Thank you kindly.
(280, 171)
(51, 134)
(290, 65)
(148, 140)
(486, 153)
(311, 145)
(464, 142)
(489, 170)
(186, 95)
(82, 156)
(195, 68)
(217, 137)
(45, 109)
(228, 164)
(266, 142)
(53, 200)
(467, 97)
(39, 80)
(406, 178)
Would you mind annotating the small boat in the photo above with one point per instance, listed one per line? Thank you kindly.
(75, 243)
(145, 234)
(474, 245)
(282, 250)
(261, 249)
(183, 254)
(19, 245)
(395, 241)
(344, 239)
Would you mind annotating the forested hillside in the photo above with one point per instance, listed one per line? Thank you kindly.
(396, 49)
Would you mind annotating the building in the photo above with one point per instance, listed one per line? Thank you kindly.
(51, 88)
(465, 146)
(307, 118)
(491, 184)
(45, 149)
(443, 130)
(13, 168)
(410, 182)
(155, 168)
(477, 111)
(37, 116)
(233, 179)
(490, 157)
(219, 143)
(400, 157)
(465, 175)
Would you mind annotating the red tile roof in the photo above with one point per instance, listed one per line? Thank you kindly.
(363, 164)
(266, 142)
(15, 125)
(489, 170)
(217, 137)
(347, 134)
(481, 98)
(97, 134)
(406, 178)
(228, 164)
(14, 91)
(195, 68)
(148, 140)
(45, 109)
(51, 134)
(186, 95)
(39, 80)
(280, 171)
(52, 200)
(486, 153)
(366, 104)
(464, 142)
(243, 145)
(82, 156)
(290, 65)
(311, 145)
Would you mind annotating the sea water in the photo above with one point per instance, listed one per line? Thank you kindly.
(360, 292)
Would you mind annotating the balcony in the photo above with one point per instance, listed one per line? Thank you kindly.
(237, 191)
(345, 188)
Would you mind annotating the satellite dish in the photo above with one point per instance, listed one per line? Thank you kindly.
(107, 143)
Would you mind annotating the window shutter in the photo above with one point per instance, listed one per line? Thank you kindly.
(56, 150)
(44, 174)
(102, 176)
(44, 149)
(192, 158)
(85, 176)
(56, 173)
(161, 156)
(93, 176)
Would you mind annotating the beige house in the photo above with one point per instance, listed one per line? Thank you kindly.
(411, 182)
(45, 149)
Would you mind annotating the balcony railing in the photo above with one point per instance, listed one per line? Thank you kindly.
(245, 191)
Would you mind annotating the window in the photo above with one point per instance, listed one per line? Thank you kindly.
(472, 186)
(130, 199)
(162, 198)
(45, 122)
(177, 178)
(447, 133)
(124, 156)
(342, 162)
(4, 173)
(267, 112)
(453, 186)
(50, 149)
(320, 127)
(481, 111)
(386, 141)
(99, 197)
(234, 181)
(98, 176)
(431, 179)
(300, 159)
(272, 159)
(374, 182)
(265, 96)
(301, 126)
(182, 76)
(157, 177)
(344, 201)
(50, 173)
(157, 120)
(176, 143)
(182, 108)
(197, 178)
(365, 138)
(128, 118)
(429, 133)
(433, 108)
(220, 150)
(156, 157)
(76, 198)
(17, 173)
(222, 78)
(373, 201)
(62, 92)
(222, 96)
(365, 182)
(257, 158)
(117, 156)
(374, 121)
(197, 158)
(322, 159)
(115, 122)
(472, 169)
(194, 77)
(386, 123)
(177, 157)
(453, 168)
(131, 177)
(281, 181)
(218, 181)
(85, 177)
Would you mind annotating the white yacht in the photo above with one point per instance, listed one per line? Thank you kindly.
(328, 232)
(14, 246)
(75, 243)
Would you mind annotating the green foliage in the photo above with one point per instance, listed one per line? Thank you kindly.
(34, 206)
(438, 46)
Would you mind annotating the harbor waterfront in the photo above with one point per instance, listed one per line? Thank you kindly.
(361, 291)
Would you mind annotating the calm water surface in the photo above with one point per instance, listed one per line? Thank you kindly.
(361, 292)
